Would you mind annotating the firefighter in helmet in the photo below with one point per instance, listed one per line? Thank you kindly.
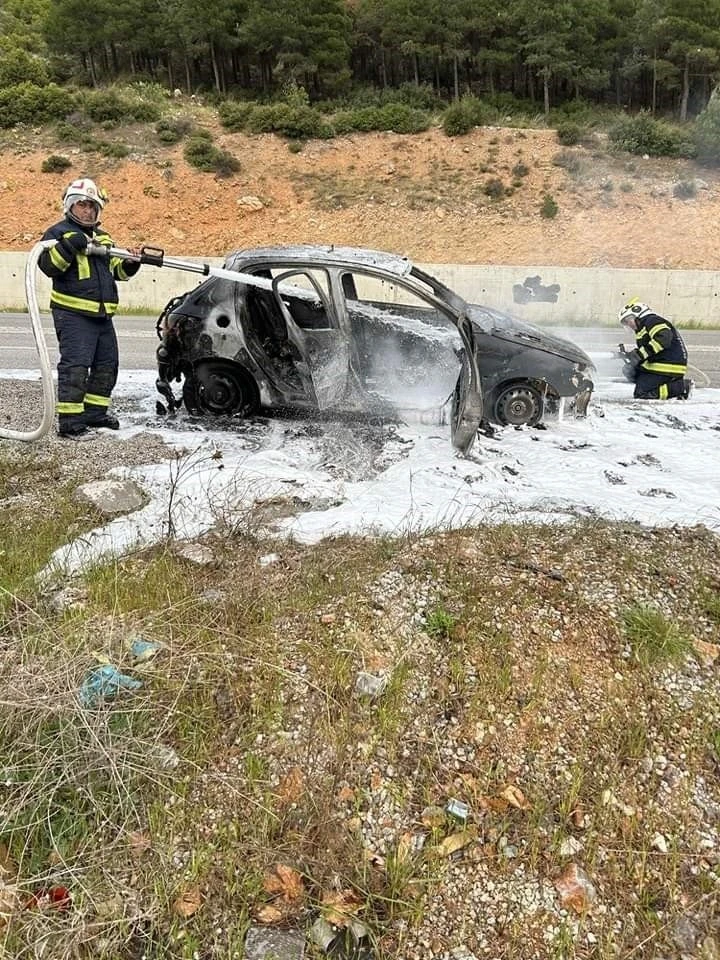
(83, 302)
(658, 364)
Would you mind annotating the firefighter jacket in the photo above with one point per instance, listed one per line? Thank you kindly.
(83, 284)
(659, 346)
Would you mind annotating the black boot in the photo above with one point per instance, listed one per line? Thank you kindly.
(108, 421)
(72, 431)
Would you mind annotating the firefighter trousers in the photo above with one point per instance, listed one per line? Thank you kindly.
(87, 369)
(658, 386)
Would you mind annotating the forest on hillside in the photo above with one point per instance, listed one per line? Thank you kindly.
(662, 56)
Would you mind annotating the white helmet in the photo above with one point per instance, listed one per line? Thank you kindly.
(83, 189)
(633, 310)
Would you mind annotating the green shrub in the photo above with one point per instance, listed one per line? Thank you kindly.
(549, 208)
(295, 94)
(361, 119)
(102, 105)
(457, 120)
(461, 116)
(112, 105)
(395, 116)
(643, 134)
(168, 136)
(200, 152)
(109, 148)
(507, 104)
(173, 129)
(67, 132)
(29, 103)
(520, 170)
(265, 118)
(580, 112)
(18, 66)
(234, 114)
(149, 90)
(419, 96)
(569, 133)
(74, 128)
(143, 111)
(343, 122)
(401, 118)
(299, 122)
(226, 164)
(55, 163)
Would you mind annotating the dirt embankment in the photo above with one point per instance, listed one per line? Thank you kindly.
(427, 196)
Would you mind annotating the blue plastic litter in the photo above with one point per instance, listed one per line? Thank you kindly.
(103, 683)
(143, 649)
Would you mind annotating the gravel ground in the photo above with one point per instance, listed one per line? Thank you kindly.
(530, 709)
(511, 713)
(86, 459)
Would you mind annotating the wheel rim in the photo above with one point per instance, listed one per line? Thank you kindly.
(517, 406)
(219, 391)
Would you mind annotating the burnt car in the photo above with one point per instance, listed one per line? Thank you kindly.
(345, 329)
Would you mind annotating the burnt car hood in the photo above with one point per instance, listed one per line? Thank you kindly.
(509, 328)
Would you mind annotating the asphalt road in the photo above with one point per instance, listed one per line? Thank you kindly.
(138, 342)
(136, 335)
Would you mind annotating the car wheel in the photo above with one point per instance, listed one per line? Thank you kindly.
(518, 405)
(220, 389)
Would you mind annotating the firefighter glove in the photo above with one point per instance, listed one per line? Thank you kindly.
(72, 244)
(633, 358)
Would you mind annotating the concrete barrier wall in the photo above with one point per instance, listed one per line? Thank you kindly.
(542, 294)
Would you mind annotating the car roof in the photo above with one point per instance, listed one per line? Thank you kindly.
(318, 254)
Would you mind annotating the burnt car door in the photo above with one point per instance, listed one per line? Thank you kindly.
(321, 349)
(413, 349)
(467, 405)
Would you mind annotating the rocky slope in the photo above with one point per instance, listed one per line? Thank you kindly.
(427, 196)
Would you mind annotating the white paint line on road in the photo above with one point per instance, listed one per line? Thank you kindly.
(50, 331)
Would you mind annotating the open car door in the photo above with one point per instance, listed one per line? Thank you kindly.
(467, 404)
(312, 328)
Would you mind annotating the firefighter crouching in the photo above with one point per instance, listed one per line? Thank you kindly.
(83, 302)
(658, 364)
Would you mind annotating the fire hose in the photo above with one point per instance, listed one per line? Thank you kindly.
(48, 389)
(155, 257)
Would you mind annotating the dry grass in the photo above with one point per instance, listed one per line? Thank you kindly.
(511, 681)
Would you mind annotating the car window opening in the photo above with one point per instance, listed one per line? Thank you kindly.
(307, 312)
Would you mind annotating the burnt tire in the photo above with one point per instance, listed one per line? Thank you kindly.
(519, 404)
(220, 389)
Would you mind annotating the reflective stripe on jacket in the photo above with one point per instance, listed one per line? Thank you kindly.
(660, 346)
(84, 284)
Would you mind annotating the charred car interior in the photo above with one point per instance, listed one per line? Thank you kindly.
(349, 330)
